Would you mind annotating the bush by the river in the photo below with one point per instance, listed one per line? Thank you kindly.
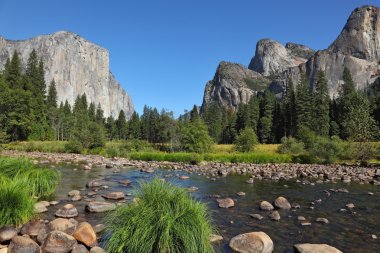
(290, 145)
(163, 219)
(21, 183)
(246, 140)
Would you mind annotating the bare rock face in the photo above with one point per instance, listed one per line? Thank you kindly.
(77, 66)
(272, 58)
(233, 84)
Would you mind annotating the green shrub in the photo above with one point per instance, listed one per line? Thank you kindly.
(326, 150)
(195, 138)
(73, 147)
(10, 167)
(165, 219)
(16, 205)
(246, 140)
(136, 146)
(290, 145)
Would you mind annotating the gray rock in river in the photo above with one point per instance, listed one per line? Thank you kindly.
(254, 242)
(58, 242)
(7, 233)
(315, 248)
(100, 207)
(67, 211)
(282, 203)
(265, 205)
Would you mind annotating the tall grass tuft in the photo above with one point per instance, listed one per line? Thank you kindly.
(16, 205)
(41, 182)
(165, 219)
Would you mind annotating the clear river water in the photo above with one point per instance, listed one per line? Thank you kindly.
(349, 231)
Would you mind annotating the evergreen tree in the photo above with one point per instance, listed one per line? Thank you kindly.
(13, 73)
(111, 128)
(194, 137)
(322, 106)
(52, 98)
(304, 104)
(121, 124)
(194, 113)
(134, 131)
(290, 109)
(52, 110)
(253, 113)
(100, 115)
(266, 119)
(92, 112)
(212, 116)
(229, 127)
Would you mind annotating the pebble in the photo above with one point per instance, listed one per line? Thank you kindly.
(322, 220)
(275, 215)
(241, 193)
(350, 205)
(374, 237)
(256, 216)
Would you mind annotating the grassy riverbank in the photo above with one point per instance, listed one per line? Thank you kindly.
(263, 153)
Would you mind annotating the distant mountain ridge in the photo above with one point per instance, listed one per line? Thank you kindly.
(357, 47)
(77, 66)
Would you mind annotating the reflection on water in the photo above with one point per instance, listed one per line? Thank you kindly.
(347, 231)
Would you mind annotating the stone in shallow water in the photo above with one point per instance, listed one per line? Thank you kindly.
(256, 216)
(226, 203)
(241, 193)
(97, 249)
(115, 195)
(282, 203)
(99, 207)
(184, 177)
(73, 193)
(301, 218)
(350, 206)
(21, 244)
(99, 228)
(265, 205)
(67, 211)
(94, 183)
(215, 238)
(7, 233)
(40, 207)
(192, 189)
(275, 215)
(58, 242)
(250, 181)
(254, 242)
(322, 220)
(315, 248)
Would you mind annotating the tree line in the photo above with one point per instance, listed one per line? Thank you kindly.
(29, 112)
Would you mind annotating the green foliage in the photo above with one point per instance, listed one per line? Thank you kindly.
(246, 140)
(41, 182)
(136, 146)
(195, 138)
(326, 150)
(290, 145)
(290, 110)
(304, 104)
(74, 147)
(322, 105)
(165, 219)
(16, 204)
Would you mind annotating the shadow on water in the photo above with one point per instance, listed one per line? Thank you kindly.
(349, 231)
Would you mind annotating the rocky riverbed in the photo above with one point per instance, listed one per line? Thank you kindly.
(284, 208)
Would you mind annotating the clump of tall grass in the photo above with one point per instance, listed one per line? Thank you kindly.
(40, 182)
(16, 204)
(165, 219)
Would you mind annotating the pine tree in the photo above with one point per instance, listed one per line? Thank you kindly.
(266, 119)
(322, 106)
(194, 113)
(111, 128)
(134, 131)
(100, 115)
(13, 73)
(290, 109)
(52, 98)
(92, 112)
(304, 104)
(52, 110)
(121, 124)
(212, 116)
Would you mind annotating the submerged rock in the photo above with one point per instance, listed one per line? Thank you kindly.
(79, 248)
(215, 238)
(40, 207)
(33, 228)
(97, 249)
(226, 203)
(315, 248)
(67, 211)
(275, 215)
(99, 207)
(282, 203)
(265, 205)
(254, 242)
(115, 195)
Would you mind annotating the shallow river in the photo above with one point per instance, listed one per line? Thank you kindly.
(349, 231)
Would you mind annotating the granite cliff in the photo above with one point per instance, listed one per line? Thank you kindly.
(77, 66)
(357, 47)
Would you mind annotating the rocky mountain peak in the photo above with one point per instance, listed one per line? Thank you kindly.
(271, 57)
(360, 36)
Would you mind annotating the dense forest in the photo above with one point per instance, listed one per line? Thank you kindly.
(30, 112)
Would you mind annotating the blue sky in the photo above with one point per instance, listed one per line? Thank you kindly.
(163, 52)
